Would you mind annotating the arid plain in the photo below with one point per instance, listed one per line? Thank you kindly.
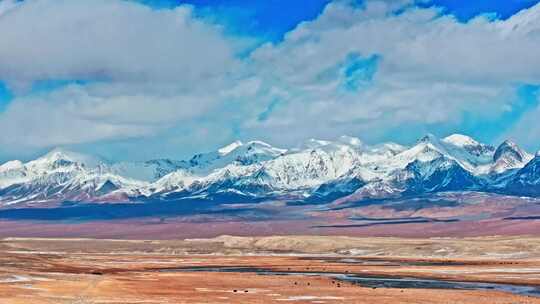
(288, 269)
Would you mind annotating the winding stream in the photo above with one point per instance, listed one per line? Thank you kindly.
(374, 281)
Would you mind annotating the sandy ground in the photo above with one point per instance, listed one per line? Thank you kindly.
(496, 247)
(112, 271)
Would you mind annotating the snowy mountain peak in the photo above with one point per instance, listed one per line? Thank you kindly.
(476, 151)
(59, 155)
(250, 145)
(321, 169)
(509, 149)
(235, 153)
(11, 165)
(509, 142)
(427, 149)
(428, 138)
(261, 145)
(460, 140)
(230, 147)
(509, 156)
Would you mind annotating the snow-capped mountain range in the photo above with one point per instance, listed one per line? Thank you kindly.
(317, 171)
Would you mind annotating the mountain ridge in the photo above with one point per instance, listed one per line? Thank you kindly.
(317, 171)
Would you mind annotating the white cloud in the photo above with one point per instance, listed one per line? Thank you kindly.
(432, 68)
(142, 70)
(77, 114)
(7, 5)
(151, 72)
(109, 40)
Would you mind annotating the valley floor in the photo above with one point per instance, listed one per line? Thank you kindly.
(278, 269)
(454, 214)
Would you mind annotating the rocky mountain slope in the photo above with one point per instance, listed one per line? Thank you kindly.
(316, 172)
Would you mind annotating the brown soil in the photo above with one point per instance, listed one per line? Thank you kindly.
(104, 271)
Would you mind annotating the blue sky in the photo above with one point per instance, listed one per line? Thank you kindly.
(271, 19)
(465, 10)
(188, 76)
(5, 95)
(266, 20)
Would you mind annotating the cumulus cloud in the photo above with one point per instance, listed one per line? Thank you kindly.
(76, 113)
(431, 68)
(365, 70)
(139, 70)
(109, 40)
